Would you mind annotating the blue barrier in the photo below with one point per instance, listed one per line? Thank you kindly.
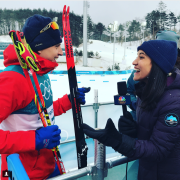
(15, 166)
(102, 73)
(4, 45)
(93, 72)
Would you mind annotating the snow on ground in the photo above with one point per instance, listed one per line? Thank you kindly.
(105, 50)
(5, 38)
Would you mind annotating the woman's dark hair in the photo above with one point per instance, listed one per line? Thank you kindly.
(153, 89)
(178, 60)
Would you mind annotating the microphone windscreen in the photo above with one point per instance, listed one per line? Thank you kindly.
(122, 88)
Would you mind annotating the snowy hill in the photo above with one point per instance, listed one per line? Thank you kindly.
(105, 51)
(5, 38)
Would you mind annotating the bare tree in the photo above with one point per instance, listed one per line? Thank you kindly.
(162, 9)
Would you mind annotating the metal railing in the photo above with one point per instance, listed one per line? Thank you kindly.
(93, 170)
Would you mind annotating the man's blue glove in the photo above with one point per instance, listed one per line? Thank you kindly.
(80, 94)
(47, 137)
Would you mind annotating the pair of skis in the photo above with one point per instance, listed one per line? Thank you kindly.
(81, 146)
(27, 60)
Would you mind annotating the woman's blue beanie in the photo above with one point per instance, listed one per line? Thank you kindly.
(48, 38)
(162, 52)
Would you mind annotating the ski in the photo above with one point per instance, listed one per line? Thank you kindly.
(81, 146)
(27, 60)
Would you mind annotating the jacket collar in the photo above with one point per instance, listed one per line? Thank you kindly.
(44, 65)
(139, 88)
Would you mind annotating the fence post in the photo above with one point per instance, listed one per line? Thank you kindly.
(99, 161)
(95, 107)
(99, 171)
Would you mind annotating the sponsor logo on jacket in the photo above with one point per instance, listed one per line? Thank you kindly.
(171, 119)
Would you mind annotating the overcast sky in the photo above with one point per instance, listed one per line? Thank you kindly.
(100, 11)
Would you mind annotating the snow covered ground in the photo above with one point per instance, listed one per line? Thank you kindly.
(105, 50)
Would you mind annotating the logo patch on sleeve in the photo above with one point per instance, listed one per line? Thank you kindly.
(171, 119)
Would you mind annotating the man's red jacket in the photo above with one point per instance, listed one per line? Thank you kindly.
(19, 123)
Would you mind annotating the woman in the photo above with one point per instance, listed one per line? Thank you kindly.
(155, 138)
(160, 35)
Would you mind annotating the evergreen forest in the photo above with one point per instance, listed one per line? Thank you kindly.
(159, 19)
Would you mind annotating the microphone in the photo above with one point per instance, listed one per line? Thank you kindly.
(122, 98)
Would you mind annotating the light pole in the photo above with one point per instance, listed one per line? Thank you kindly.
(85, 6)
(114, 27)
(110, 26)
(143, 25)
(124, 45)
(125, 33)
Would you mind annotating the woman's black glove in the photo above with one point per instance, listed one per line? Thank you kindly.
(111, 137)
(108, 136)
(127, 125)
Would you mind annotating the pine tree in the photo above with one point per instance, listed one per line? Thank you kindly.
(100, 28)
(152, 22)
(121, 29)
(133, 30)
(172, 20)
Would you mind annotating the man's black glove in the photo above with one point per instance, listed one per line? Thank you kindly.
(108, 136)
(127, 125)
